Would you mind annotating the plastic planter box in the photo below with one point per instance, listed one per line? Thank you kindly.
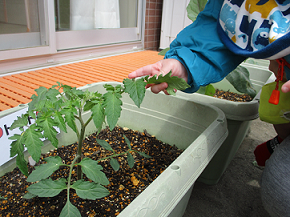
(238, 114)
(199, 129)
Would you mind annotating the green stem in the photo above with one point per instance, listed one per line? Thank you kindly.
(69, 177)
(80, 145)
(113, 155)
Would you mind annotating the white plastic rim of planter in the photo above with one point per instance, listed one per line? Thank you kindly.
(197, 128)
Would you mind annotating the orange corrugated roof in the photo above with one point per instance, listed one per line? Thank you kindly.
(18, 88)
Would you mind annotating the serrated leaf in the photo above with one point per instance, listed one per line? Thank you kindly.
(104, 144)
(58, 118)
(143, 154)
(127, 142)
(39, 100)
(113, 108)
(98, 114)
(93, 171)
(131, 160)
(21, 121)
(194, 8)
(208, 90)
(17, 148)
(47, 187)
(109, 87)
(22, 164)
(52, 94)
(90, 190)
(69, 210)
(135, 89)
(45, 170)
(114, 164)
(174, 82)
(240, 79)
(70, 119)
(49, 131)
(164, 51)
(88, 106)
(28, 196)
(33, 142)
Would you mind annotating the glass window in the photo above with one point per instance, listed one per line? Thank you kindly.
(19, 24)
(95, 14)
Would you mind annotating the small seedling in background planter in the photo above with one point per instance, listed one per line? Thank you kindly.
(62, 106)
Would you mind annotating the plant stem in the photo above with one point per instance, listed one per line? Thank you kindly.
(80, 145)
(113, 155)
(69, 177)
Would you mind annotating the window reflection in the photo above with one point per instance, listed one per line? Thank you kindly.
(18, 16)
(95, 14)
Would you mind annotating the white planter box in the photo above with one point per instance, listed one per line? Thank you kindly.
(199, 129)
(239, 116)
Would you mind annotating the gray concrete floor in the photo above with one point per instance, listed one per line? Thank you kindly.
(237, 193)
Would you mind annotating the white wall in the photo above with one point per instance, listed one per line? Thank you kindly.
(174, 19)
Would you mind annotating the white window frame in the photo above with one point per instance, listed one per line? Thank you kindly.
(48, 24)
(61, 42)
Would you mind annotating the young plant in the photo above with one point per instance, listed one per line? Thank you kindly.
(62, 106)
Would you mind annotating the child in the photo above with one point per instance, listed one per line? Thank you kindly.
(224, 34)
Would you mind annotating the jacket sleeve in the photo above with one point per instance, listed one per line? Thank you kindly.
(199, 48)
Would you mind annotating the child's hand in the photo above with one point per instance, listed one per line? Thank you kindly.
(286, 87)
(161, 67)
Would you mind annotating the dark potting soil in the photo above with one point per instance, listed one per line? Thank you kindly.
(232, 96)
(125, 184)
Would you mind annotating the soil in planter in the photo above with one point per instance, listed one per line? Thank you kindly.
(227, 95)
(125, 184)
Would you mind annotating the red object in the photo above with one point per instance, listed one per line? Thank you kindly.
(263, 151)
(274, 98)
(262, 154)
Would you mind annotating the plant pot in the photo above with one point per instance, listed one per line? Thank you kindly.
(199, 129)
(239, 116)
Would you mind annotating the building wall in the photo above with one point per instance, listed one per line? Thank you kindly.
(153, 24)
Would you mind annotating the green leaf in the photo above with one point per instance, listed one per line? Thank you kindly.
(143, 154)
(207, 90)
(45, 170)
(173, 82)
(69, 210)
(131, 160)
(70, 119)
(52, 95)
(39, 100)
(163, 52)
(28, 196)
(135, 89)
(60, 121)
(127, 142)
(93, 171)
(21, 121)
(194, 8)
(33, 142)
(240, 79)
(17, 148)
(112, 108)
(89, 190)
(47, 124)
(114, 164)
(98, 114)
(104, 144)
(22, 164)
(47, 187)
